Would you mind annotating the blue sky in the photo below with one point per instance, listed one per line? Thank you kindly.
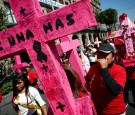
(122, 6)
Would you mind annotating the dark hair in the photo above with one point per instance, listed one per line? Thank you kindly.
(74, 81)
(63, 56)
(78, 49)
(113, 54)
(23, 77)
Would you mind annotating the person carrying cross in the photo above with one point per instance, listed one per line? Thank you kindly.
(130, 83)
(77, 88)
(106, 82)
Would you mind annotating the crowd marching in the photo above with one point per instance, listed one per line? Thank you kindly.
(107, 81)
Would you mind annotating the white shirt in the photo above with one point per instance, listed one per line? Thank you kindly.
(33, 97)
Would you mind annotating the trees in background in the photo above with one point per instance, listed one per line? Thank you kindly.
(108, 17)
(3, 19)
(5, 65)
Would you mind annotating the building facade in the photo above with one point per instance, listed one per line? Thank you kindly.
(85, 36)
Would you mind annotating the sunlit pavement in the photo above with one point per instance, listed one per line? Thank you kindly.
(8, 109)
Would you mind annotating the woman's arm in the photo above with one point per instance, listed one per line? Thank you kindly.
(39, 99)
(43, 107)
(18, 112)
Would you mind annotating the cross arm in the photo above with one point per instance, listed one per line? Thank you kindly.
(67, 20)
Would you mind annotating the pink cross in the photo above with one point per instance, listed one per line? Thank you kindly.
(97, 42)
(68, 45)
(127, 35)
(35, 33)
(18, 65)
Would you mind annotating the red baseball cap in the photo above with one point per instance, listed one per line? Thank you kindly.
(118, 41)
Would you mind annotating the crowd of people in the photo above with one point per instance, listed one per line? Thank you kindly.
(107, 80)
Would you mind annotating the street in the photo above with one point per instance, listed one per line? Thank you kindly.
(8, 110)
(130, 109)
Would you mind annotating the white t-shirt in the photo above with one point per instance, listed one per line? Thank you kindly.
(33, 97)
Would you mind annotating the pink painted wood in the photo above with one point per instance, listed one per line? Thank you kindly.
(68, 45)
(18, 65)
(128, 37)
(35, 33)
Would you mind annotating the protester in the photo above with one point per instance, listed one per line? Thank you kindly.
(32, 77)
(106, 83)
(0, 97)
(130, 84)
(75, 82)
(64, 59)
(90, 53)
(84, 60)
(26, 99)
(77, 88)
(120, 51)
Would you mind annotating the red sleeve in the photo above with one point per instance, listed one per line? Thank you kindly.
(120, 76)
(32, 74)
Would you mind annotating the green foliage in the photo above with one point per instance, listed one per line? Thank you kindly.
(6, 87)
(100, 17)
(6, 76)
(3, 28)
(108, 17)
(3, 19)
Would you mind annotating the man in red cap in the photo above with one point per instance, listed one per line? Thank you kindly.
(120, 51)
(106, 83)
(130, 83)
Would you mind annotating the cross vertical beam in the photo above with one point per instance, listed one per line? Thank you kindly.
(35, 33)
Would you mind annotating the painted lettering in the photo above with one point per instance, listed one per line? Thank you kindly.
(29, 34)
(1, 48)
(69, 18)
(49, 27)
(59, 23)
(20, 37)
(11, 41)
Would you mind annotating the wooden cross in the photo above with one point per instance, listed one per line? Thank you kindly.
(18, 65)
(35, 33)
(97, 42)
(128, 37)
(68, 45)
